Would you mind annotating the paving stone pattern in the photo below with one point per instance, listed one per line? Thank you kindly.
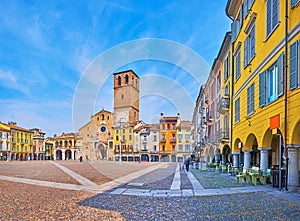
(37, 170)
(160, 179)
(245, 206)
(19, 201)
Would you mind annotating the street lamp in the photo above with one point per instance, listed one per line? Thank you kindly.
(240, 146)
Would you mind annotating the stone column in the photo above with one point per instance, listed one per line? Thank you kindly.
(293, 167)
(63, 155)
(264, 158)
(235, 159)
(247, 159)
(72, 155)
(210, 159)
(54, 155)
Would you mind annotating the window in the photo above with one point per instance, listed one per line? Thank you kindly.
(126, 79)
(187, 148)
(249, 47)
(247, 6)
(272, 15)
(173, 126)
(136, 148)
(179, 137)
(226, 89)
(154, 148)
(237, 110)
(187, 136)
(119, 81)
(294, 3)
(180, 148)
(154, 138)
(226, 67)
(236, 25)
(271, 83)
(250, 99)
(294, 72)
(238, 65)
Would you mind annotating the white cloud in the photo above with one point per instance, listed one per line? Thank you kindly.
(8, 79)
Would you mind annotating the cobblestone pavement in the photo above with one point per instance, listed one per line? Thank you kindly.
(19, 201)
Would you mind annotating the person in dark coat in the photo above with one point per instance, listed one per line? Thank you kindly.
(187, 164)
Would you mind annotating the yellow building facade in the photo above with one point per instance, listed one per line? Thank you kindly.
(265, 74)
(21, 142)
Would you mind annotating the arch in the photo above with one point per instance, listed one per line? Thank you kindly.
(226, 154)
(101, 151)
(68, 155)
(252, 144)
(236, 145)
(119, 80)
(126, 79)
(267, 138)
(173, 158)
(145, 157)
(58, 155)
(295, 138)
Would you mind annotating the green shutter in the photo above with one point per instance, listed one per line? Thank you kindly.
(262, 89)
(248, 100)
(246, 52)
(280, 66)
(233, 31)
(293, 65)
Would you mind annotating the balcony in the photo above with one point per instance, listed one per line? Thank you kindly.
(163, 140)
(144, 150)
(210, 119)
(223, 105)
(173, 140)
(223, 135)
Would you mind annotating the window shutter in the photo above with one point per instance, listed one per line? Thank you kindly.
(228, 68)
(280, 66)
(293, 65)
(248, 100)
(268, 17)
(245, 8)
(252, 43)
(233, 31)
(246, 52)
(275, 13)
(262, 89)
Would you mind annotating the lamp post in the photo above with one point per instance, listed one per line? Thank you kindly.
(240, 145)
(121, 141)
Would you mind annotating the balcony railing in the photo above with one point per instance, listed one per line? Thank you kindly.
(223, 105)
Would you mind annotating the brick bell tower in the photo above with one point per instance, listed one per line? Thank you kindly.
(126, 98)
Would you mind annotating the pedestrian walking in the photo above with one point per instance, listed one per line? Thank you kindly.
(187, 164)
(80, 159)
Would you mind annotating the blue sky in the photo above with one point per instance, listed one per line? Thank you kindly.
(46, 47)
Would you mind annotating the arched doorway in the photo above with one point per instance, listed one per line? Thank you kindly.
(68, 155)
(58, 155)
(251, 144)
(226, 154)
(173, 158)
(101, 152)
(145, 157)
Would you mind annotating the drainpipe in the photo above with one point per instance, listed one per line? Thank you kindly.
(285, 88)
(232, 87)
